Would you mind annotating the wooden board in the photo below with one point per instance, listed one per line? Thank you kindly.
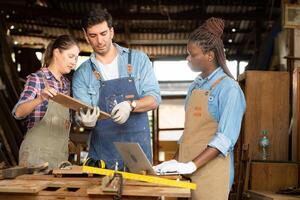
(14, 172)
(22, 186)
(134, 190)
(75, 104)
(273, 176)
(168, 146)
(267, 97)
(72, 171)
(263, 195)
(296, 113)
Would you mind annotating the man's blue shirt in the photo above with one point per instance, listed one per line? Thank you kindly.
(86, 87)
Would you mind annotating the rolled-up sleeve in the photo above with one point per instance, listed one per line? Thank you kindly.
(149, 83)
(80, 87)
(232, 106)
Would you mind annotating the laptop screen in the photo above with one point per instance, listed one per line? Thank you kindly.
(134, 157)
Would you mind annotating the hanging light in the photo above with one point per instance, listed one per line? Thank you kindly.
(38, 55)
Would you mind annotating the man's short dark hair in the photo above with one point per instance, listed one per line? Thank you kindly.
(96, 16)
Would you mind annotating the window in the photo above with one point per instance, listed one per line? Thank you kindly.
(80, 60)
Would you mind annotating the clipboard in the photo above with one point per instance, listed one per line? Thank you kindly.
(75, 104)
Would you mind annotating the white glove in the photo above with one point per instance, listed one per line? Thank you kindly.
(89, 119)
(174, 166)
(157, 168)
(121, 112)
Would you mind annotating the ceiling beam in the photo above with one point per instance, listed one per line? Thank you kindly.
(150, 42)
(240, 57)
(41, 12)
(120, 29)
(257, 3)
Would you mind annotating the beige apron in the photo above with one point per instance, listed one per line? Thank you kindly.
(212, 179)
(48, 140)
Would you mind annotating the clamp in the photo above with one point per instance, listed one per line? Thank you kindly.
(94, 163)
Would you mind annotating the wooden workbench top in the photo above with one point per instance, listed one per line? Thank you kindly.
(50, 187)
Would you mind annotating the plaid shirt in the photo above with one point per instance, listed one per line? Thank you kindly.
(34, 85)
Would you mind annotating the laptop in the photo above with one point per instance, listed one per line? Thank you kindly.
(135, 159)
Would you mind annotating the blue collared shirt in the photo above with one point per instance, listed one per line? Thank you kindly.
(86, 87)
(227, 106)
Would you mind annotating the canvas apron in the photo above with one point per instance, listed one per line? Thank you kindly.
(135, 129)
(212, 179)
(48, 140)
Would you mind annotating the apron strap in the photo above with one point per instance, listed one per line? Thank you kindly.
(129, 66)
(95, 72)
(216, 83)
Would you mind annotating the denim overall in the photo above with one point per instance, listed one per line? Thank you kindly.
(135, 129)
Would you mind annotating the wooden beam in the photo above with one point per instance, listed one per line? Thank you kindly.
(22, 23)
(41, 12)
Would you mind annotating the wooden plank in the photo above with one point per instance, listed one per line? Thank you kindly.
(169, 155)
(267, 97)
(263, 195)
(14, 172)
(273, 176)
(168, 146)
(146, 191)
(72, 170)
(296, 135)
(56, 197)
(296, 115)
(22, 186)
(75, 104)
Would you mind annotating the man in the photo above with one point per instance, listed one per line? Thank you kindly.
(119, 81)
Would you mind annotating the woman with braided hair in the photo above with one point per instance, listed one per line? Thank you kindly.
(215, 105)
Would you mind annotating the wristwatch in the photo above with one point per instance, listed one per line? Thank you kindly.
(133, 105)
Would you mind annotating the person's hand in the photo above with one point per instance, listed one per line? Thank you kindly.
(157, 168)
(121, 112)
(89, 119)
(47, 93)
(177, 167)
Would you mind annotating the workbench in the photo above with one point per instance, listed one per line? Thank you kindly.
(48, 187)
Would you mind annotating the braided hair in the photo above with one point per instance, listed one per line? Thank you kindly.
(208, 38)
